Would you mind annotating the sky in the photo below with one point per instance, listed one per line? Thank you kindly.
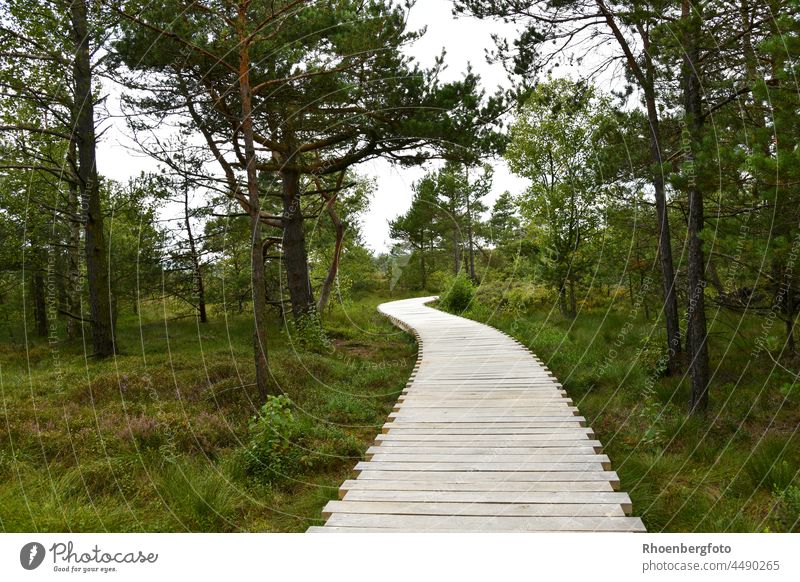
(465, 41)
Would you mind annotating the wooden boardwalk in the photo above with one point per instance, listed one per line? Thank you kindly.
(482, 439)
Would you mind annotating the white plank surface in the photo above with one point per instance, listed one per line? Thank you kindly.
(483, 439)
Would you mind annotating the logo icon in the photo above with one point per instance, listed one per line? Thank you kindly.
(31, 555)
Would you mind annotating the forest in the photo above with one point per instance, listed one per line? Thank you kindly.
(197, 348)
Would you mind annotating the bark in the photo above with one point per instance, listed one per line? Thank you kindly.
(696, 329)
(263, 385)
(89, 185)
(39, 303)
(664, 239)
(197, 271)
(456, 251)
(73, 275)
(471, 240)
(573, 306)
(294, 246)
(630, 289)
(327, 285)
(422, 265)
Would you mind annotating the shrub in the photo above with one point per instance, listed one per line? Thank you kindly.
(283, 446)
(309, 333)
(271, 454)
(789, 507)
(458, 294)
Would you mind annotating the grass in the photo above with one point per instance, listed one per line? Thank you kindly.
(157, 438)
(736, 469)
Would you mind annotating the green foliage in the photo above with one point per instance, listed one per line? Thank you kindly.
(789, 507)
(457, 294)
(272, 454)
(158, 439)
(284, 445)
(308, 332)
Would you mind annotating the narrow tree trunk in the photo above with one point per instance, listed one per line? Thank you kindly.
(573, 306)
(39, 303)
(471, 241)
(294, 246)
(96, 249)
(664, 241)
(73, 274)
(256, 243)
(644, 299)
(327, 286)
(422, 265)
(456, 249)
(696, 330)
(197, 272)
(630, 289)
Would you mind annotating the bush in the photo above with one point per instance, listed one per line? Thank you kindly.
(284, 446)
(789, 507)
(309, 333)
(438, 280)
(458, 294)
(514, 297)
(271, 453)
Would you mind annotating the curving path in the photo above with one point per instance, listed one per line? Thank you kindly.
(482, 439)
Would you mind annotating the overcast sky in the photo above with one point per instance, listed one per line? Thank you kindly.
(465, 41)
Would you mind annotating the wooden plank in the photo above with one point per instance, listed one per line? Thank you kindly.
(496, 439)
(492, 430)
(516, 509)
(500, 486)
(489, 476)
(490, 458)
(489, 467)
(469, 523)
(544, 497)
(456, 447)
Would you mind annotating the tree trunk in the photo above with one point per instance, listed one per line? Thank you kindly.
(327, 286)
(294, 246)
(456, 251)
(696, 329)
(73, 274)
(422, 265)
(39, 303)
(573, 306)
(96, 249)
(471, 241)
(263, 384)
(665, 240)
(630, 289)
(197, 272)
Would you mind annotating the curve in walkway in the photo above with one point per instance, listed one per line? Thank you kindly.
(482, 439)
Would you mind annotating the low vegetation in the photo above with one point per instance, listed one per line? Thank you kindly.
(169, 435)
